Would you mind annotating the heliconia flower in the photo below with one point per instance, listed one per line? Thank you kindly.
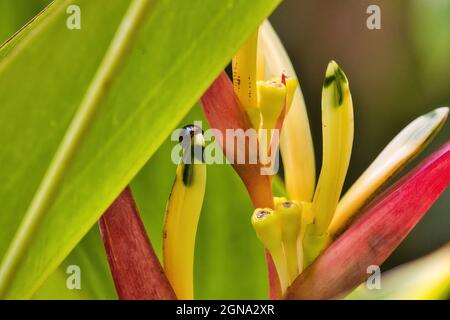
(324, 215)
(318, 243)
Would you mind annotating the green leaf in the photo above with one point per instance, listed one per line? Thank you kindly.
(428, 27)
(44, 75)
(15, 13)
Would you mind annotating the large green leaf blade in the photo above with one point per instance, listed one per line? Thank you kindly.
(88, 254)
(179, 50)
(15, 13)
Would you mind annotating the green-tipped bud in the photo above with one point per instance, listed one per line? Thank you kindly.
(337, 124)
(335, 85)
(337, 131)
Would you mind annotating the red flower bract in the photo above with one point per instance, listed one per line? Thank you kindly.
(135, 268)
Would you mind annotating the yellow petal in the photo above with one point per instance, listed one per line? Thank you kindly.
(260, 65)
(290, 214)
(296, 143)
(181, 220)
(337, 131)
(245, 65)
(408, 143)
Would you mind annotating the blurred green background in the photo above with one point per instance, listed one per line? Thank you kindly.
(396, 74)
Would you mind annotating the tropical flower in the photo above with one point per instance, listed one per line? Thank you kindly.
(319, 242)
(318, 212)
